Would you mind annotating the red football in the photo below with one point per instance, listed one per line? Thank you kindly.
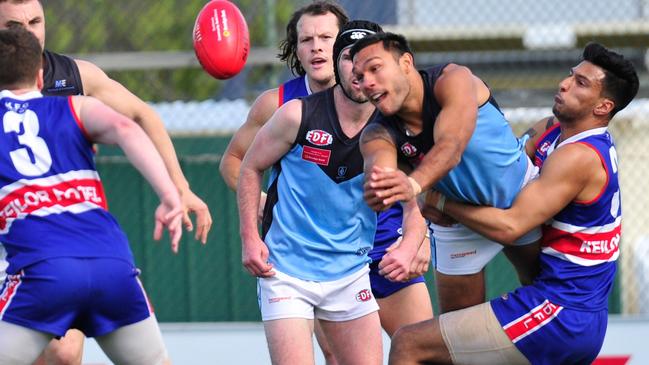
(221, 39)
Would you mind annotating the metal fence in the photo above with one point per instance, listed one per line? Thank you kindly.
(521, 48)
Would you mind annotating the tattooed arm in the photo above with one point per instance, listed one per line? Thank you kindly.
(535, 132)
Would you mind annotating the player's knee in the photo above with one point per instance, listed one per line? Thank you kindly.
(402, 345)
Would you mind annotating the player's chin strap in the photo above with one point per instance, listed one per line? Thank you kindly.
(349, 97)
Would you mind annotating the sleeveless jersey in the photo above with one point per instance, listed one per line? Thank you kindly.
(493, 165)
(389, 221)
(293, 89)
(316, 224)
(562, 317)
(580, 244)
(61, 75)
(52, 202)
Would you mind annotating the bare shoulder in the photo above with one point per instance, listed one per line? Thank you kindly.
(376, 131)
(89, 71)
(539, 127)
(457, 85)
(575, 159)
(263, 107)
(454, 71)
(288, 116)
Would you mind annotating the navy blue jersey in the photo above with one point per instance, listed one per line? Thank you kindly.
(316, 224)
(61, 75)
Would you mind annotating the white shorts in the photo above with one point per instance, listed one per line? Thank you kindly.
(283, 296)
(460, 251)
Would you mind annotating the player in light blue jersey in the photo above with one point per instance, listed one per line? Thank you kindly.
(443, 126)
(312, 262)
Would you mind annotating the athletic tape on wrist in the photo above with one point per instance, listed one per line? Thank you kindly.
(415, 186)
(440, 203)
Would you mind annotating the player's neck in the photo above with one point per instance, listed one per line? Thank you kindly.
(20, 90)
(411, 112)
(317, 86)
(572, 128)
(352, 115)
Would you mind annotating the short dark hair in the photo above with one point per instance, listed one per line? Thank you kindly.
(349, 34)
(393, 43)
(20, 57)
(620, 80)
(288, 47)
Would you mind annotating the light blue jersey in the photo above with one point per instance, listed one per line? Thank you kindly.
(319, 228)
(493, 165)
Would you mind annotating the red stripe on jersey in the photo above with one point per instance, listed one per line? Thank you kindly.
(603, 162)
(531, 321)
(77, 119)
(280, 100)
(12, 284)
(596, 246)
(542, 137)
(31, 198)
(612, 360)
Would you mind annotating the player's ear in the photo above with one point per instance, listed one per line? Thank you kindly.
(39, 79)
(407, 62)
(604, 107)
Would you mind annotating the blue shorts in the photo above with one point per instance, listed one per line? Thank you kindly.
(94, 295)
(382, 287)
(548, 333)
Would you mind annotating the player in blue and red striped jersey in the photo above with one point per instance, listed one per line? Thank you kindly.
(561, 318)
(70, 265)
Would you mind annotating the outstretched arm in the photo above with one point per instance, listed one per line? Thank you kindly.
(572, 172)
(272, 142)
(104, 125)
(97, 84)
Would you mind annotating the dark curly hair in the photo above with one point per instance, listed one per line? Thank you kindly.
(620, 80)
(288, 47)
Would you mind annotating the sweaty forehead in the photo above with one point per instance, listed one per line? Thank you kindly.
(310, 24)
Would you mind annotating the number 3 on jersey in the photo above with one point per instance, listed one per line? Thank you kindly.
(33, 159)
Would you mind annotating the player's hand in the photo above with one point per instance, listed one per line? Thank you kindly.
(254, 256)
(395, 264)
(390, 186)
(169, 214)
(192, 203)
(262, 204)
(421, 262)
(427, 203)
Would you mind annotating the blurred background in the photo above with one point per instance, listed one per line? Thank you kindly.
(521, 48)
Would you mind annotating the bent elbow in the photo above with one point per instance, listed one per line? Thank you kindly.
(509, 235)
